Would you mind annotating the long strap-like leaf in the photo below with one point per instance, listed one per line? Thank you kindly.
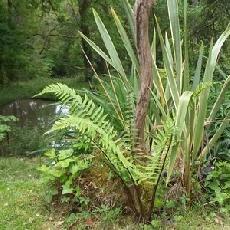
(130, 15)
(196, 78)
(126, 40)
(179, 126)
(203, 101)
(169, 69)
(175, 31)
(220, 99)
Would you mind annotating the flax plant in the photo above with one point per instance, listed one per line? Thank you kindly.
(177, 91)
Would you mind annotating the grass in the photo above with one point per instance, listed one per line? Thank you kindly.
(199, 217)
(26, 89)
(23, 206)
(20, 195)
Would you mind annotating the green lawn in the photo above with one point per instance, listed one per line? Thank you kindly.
(23, 205)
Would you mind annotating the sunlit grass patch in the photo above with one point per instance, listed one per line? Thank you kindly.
(200, 217)
(22, 206)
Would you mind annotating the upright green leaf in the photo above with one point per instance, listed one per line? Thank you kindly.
(208, 77)
(125, 39)
(197, 76)
(156, 75)
(180, 127)
(175, 31)
(98, 50)
(186, 48)
(130, 15)
(220, 99)
(169, 69)
(109, 45)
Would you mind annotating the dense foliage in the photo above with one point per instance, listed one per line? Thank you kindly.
(178, 104)
(4, 125)
(183, 150)
(40, 38)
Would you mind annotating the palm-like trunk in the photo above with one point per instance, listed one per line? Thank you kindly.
(142, 13)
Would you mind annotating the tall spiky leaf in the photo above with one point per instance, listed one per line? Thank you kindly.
(186, 48)
(125, 39)
(180, 127)
(220, 99)
(130, 15)
(197, 76)
(175, 31)
(109, 45)
(203, 101)
(169, 69)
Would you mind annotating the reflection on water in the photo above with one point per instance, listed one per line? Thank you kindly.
(34, 112)
(35, 117)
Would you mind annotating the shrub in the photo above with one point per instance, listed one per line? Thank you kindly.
(62, 170)
(218, 185)
(4, 127)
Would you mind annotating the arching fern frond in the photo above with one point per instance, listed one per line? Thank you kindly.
(129, 121)
(90, 121)
(155, 163)
(65, 94)
(103, 136)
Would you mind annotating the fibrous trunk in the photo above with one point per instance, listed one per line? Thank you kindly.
(142, 11)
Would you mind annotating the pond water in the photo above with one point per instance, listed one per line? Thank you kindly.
(34, 118)
(34, 112)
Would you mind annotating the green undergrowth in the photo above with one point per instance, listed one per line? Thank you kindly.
(27, 89)
(24, 206)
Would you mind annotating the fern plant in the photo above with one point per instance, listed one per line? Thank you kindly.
(91, 121)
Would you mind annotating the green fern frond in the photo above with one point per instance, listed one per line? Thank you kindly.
(129, 121)
(104, 137)
(61, 91)
(155, 163)
(90, 120)
(65, 94)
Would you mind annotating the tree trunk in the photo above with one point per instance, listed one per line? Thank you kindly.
(84, 28)
(142, 11)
